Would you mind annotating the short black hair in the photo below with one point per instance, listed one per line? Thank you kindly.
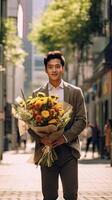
(110, 122)
(52, 55)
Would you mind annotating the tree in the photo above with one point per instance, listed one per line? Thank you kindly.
(13, 57)
(61, 24)
(13, 52)
(67, 25)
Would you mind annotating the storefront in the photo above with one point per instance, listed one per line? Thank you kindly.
(104, 104)
(99, 99)
(99, 103)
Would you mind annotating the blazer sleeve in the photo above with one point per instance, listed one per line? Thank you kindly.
(79, 120)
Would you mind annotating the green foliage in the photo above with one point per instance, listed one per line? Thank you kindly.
(95, 16)
(78, 32)
(13, 51)
(2, 32)
(66, 24)
(49, 32)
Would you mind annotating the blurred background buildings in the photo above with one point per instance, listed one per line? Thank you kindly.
(95, 75)
(34, 68)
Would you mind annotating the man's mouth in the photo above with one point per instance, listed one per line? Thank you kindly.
(54, 74)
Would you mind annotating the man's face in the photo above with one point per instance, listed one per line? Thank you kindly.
(54, 69)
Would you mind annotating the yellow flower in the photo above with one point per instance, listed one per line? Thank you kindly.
(40, 94)
(50, 101)
(32, 101)
(22, 104)
(61, 112)
(43, 100)
(54, 97)
(45, 113)
(58, 106)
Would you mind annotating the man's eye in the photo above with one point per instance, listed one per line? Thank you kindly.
(58, 66)
(50, 67)
(54, 66)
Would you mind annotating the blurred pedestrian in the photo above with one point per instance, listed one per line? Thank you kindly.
(24, 140)
(18, 138)
(96, 139)
(23, 132)
(89, 135)
(93, 138)
(108, 132)
(67, 145)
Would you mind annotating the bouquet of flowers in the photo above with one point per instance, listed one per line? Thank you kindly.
(45, 116)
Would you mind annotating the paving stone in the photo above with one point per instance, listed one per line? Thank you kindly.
(22, 195)
(20, 179)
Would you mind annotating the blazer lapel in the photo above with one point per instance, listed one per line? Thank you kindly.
(45, 89)
(66, 93)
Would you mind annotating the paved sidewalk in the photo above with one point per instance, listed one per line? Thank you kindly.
(20, 178)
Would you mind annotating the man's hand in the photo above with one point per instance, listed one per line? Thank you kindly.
(46, 141)
(59, 141)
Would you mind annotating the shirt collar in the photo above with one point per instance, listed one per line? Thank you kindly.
(50, 86)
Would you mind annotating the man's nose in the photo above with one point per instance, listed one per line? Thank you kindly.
(54, 69)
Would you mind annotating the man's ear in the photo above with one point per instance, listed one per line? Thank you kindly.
(63, 69)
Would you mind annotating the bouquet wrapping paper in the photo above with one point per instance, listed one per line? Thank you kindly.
(45, 116)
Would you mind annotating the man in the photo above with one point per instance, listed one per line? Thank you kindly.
(67, 145)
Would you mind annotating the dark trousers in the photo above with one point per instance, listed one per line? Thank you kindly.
(67, 167)
(89, 141)
(96, 145)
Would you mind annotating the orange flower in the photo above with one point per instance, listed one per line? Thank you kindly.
(45, 113)
(52, 112)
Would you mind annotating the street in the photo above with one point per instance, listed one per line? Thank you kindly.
(20, 178)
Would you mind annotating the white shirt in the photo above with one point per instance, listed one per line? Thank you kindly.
(58, 91)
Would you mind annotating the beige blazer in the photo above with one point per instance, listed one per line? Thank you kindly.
(72, 95)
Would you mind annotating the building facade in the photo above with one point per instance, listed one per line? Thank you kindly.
(39, 76)
(2, 77)
(10, 84)
(34, 68)
(25, 7)
(98, 92)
